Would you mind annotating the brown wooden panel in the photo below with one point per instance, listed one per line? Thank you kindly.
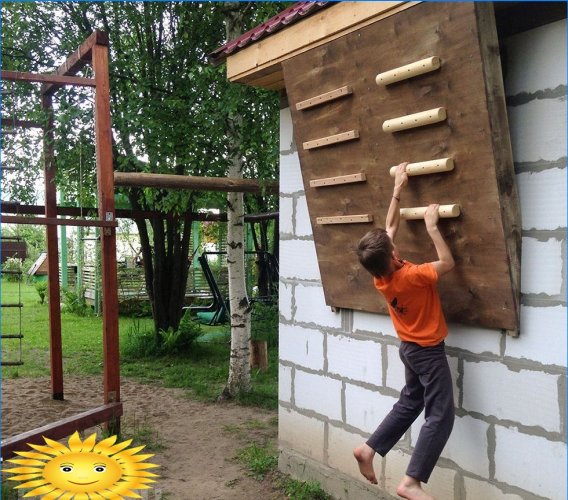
(483, 290)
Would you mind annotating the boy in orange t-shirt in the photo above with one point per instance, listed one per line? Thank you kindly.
(416, 312)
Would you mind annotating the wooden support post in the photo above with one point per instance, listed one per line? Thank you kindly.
(105, 181)
(445, 211)
(258, 357)
(415, 120)
(55, 344)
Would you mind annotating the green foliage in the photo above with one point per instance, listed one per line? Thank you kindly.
(74, 303)
(135, 308)
(258, 459)
(264, 323)
(41, 289)
(299, 490)
(13, 265)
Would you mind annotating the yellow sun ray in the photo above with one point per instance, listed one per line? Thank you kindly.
(110, 495)
(68, 495)
(23, 477)
(89, 443)
(42, 490)
(95, 496)
(33, 484)
(119, 447)
(81, 496)
(31, 454)
(75, 443)
(26, 461)
(22, 470)
(105, 445)
(53, 495)
(45, 449)
(56, 446)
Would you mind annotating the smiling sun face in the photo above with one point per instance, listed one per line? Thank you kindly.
(83, 470)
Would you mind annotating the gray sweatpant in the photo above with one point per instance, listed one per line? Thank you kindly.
(428, 386)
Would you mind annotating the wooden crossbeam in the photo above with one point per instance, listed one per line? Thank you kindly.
(323, 98)
(46, 78)
(332, 139)
(62, 428)
(345, 219)
(14, 122)
(56, 221)
(340, 179)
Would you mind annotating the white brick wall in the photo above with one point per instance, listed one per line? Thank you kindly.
(366, 409)
(541, 266)
(318, 393)
(527, 397)
(467, 445)
(473, 339)
(535, 59)
(298, 260)
(538, 130)
(534, 463)
(286, 130)
(284, 383)
(285, 299)
(543, 199)
(303, 223)
(543, 336)
(354, 359)
(286, 216)
(301, 433)
(475, 490)
(290, 174)
(340, 452)
(395, 369)
(302, 346)
(311, 307)
(376, 323)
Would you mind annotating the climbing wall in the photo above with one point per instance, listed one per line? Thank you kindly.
(422, 86)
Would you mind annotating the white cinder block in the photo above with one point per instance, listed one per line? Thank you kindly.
(284, 383)
(311, 307)
(474, 339)
(468, 444)
(286, 130)
(365, 409)
(542, 337)
(340, 452)
(298, 260)
(395, 369)
(318, 393)
(302, 346)
(481, 490)
(354, 359)
(538, 130)
(300, 433)
(285, 300)
(527, 397)
(541, 266)
(290, 174)
(375, 323)
(536, 59)
(303, 223)
(533, 463)
(286, 220)
(543, 199)
(440, 485)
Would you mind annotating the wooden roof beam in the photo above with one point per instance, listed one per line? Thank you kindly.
(46, 78)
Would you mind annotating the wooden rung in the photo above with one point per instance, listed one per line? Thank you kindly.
(12, 305)
(12, 336)
(415, 120)
(408, 71)
(323, 98)
(427, 167)
(332, 139)
(341, 179)
(445, 211)
(345, 219)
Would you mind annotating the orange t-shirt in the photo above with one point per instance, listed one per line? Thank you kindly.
(414, 303)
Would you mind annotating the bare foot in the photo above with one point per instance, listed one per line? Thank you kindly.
(411, 489)
(364, 455)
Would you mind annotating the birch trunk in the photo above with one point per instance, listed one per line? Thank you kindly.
(239, 367)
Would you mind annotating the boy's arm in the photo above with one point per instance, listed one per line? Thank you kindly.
(445, 260)
(393, 215)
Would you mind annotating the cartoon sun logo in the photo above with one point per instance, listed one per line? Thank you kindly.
(84, 470)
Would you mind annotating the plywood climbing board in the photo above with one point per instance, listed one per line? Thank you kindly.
(454, 109)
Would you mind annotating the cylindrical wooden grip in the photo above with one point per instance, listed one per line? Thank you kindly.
(416, 120)
(445, 211)
(427, 167)
(408, 71)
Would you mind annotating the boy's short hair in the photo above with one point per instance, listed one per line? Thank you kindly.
(375, 252)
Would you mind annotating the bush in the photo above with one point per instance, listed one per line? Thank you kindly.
(13, 265)
(264, 323)
(41, 289)
(174, 342)
(75, 304)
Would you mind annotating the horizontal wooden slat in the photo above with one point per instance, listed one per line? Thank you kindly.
(45, 78)
(345, 219)
(341, 179)
(55, 221)
(323, 98)
(62, 428)
(332, 139)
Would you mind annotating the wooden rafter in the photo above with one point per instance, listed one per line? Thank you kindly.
(18, 76)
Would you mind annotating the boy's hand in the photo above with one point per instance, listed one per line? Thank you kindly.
(400, 178)
(432, 216)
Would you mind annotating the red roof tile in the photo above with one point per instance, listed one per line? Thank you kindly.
(292, 14)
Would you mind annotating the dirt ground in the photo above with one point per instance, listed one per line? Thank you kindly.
(199, 440)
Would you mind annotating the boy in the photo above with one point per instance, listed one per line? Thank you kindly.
(414, 307)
